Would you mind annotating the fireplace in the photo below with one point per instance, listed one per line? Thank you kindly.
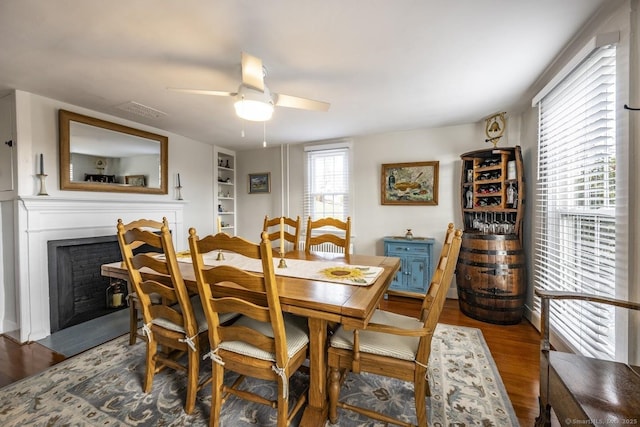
(77, 290)
(41, 220)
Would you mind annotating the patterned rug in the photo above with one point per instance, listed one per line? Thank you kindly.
(102, 387)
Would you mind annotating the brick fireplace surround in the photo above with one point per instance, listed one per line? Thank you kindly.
(45, 219)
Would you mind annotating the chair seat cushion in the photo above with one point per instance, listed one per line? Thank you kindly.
(297, 337)
(380, 343)
(201, 319)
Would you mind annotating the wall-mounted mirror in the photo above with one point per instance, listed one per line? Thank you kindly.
(96, 155)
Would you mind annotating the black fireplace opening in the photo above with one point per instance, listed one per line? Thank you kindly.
(77, 290)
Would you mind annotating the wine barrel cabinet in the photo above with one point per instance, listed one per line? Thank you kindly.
(490, 278)
(491, 271)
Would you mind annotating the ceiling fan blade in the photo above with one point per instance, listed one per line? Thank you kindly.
(297, 102)
(252, 72)
(204, 92)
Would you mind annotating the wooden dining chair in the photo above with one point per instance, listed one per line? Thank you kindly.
(177, 324)
(394, 345)
(262, 343)
(291, 232)
(328, 231)
(132, 296)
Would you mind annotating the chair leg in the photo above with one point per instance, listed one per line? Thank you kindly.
(133, 322)
(283, 405)
(544, 419)
(192, 380)
(334, 393)
(420, 391)
(217, 375)
(152, 349)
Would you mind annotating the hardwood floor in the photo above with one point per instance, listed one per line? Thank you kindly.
(515, 350)
(20, 361)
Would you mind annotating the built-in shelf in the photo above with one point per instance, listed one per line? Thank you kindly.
(225, 190)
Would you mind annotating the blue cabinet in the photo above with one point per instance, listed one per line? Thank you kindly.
(416, 263)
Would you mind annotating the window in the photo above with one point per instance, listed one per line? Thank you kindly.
(328, 181)
(575, 239)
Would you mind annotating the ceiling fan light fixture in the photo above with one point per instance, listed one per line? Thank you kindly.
(253, 104)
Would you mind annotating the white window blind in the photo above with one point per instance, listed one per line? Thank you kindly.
(575, 241)
(328, 181)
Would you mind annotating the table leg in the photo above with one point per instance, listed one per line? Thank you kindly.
(315, 414)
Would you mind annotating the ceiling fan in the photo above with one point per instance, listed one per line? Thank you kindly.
(254, 101)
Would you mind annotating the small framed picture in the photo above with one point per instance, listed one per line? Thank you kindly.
(260, 183)
(135, 180)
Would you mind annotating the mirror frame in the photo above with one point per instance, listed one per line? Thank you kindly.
(64, 121)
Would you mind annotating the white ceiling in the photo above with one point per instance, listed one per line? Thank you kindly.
(384, 65)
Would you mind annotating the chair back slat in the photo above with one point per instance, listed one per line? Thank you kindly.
(225, 242)
(246, 279)
(152, 262)
(236, 305)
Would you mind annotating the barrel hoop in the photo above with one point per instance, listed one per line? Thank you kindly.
(498, 309)
(495, 293)
(509, 266)
(498, 237)
(491, 252)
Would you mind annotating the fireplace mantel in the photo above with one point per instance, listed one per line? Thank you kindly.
(41, 219)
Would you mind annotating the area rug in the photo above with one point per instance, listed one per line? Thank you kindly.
(102, 387)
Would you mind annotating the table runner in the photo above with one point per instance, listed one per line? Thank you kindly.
(324, 271)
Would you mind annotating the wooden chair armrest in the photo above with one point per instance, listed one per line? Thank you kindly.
(544, 294)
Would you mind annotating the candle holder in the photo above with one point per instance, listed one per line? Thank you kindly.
(179, 192)
(43, 184)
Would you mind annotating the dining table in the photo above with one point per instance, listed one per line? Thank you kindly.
(320, 302)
